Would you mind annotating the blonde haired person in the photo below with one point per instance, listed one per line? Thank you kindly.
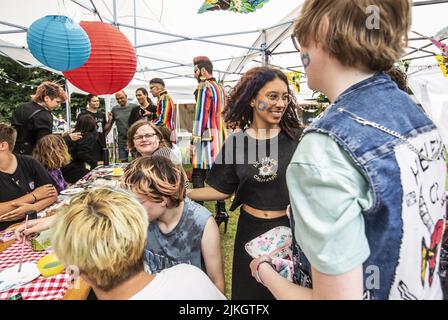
(102, 232)
(52, 152)
(182, 230)
(366, 210)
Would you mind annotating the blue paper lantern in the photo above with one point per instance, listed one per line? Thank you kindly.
(58, 42)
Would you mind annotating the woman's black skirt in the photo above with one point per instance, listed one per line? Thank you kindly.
(244, 286)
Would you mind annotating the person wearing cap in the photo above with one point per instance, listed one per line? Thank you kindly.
(166, 109)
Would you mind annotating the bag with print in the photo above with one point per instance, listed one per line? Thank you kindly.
(275, 243)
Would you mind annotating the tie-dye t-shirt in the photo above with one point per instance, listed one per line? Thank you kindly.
(181, 245)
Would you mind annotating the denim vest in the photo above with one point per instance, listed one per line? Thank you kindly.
(403, 162)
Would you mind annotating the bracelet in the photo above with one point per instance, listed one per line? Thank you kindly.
(258, 268)
(35, 199)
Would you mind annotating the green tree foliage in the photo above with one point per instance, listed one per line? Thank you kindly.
(11, 95)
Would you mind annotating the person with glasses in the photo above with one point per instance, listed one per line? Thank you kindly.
(144, 138)
(209, 131)
(252, 166)
(367, 181)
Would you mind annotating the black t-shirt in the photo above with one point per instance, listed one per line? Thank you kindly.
(255, 170)
(29, 175)
(81, 152)
(30, 128)
(100, 119)
(137, 114)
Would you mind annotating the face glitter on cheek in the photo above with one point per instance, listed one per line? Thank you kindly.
(262, 105)
(306, 60)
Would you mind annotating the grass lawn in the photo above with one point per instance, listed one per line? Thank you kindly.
(227, 239)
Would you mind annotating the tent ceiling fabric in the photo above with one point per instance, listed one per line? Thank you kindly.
(160, 53)
(163, 25)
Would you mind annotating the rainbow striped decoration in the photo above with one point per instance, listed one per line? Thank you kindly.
(209, 131)
(166, 112)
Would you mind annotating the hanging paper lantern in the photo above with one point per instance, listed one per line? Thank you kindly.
(112, 62)
(58, 42)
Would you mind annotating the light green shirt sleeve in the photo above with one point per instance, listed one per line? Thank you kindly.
(328, 195)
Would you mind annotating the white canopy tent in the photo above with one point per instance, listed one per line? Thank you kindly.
(167, 34)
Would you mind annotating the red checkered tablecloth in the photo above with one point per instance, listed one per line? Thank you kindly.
(41, 288)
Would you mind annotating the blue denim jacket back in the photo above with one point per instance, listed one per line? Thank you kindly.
(405, 222)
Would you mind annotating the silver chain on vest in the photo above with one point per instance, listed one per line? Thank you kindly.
(395, 134)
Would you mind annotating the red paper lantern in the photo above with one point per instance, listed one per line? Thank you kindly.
(112, 62)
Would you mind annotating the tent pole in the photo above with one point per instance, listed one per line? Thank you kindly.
(204, 37)
(68, 113)
(183, 38)
(265, 49)
(12, 31)
(427, 3)
(176, 62)
(13, 25)
(135, 24)
(177, 65)
(114, 5)
(167, 72)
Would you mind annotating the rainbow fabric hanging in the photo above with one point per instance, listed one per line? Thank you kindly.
(209, 131)
(166, 112)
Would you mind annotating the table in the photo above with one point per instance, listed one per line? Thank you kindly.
(100, 176)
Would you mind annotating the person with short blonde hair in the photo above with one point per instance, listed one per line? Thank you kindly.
(362, 180)
(102, 232)
(182, 230)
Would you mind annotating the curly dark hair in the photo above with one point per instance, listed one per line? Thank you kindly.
(239, 112)
(399, 77)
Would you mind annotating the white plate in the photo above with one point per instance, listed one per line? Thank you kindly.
(11, 278)
(72, 191)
